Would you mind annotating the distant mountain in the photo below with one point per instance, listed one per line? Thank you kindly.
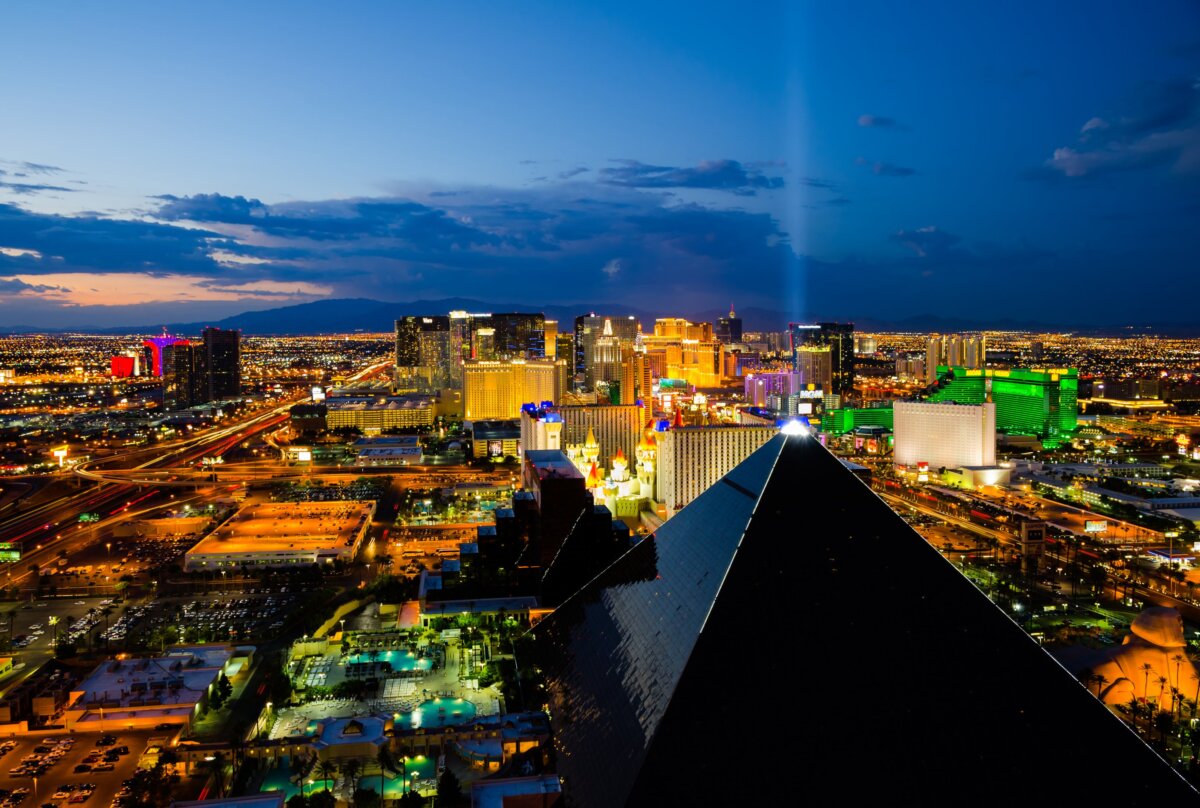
(350, 315)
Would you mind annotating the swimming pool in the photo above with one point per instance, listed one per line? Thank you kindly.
(279, 779)
(399, 660)
(438, 713)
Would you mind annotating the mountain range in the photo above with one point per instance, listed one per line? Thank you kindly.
(350, 315)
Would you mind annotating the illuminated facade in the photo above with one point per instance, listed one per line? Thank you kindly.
(1041, 403)
(838, 338)
(944, 435)
(693, 458)
(497, 388)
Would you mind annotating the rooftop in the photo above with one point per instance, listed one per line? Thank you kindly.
(551, 463)
(267, 526)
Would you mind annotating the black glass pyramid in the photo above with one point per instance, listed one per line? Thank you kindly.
(788, 639)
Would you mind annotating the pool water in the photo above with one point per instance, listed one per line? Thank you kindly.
(278, 779)
(393, 786)
(399, 660)
(438, 713)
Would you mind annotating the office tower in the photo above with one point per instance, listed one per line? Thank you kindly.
(123, 366)
(1039, 403)
(692, 458)
(729, 329)
(424, 359)
(954, 350)
(687, 351)
(497, 389)
(910, 369)
(944, 435)
(588, 328)
(614, 427)
(564, 348)
(839, 339)
(865, 345)
(518, 336)
(158, 353)
(223, 363)
(651, 655)
(1038, 349)
(560, 496)
(550, 335)
(814, 365)
(758, 386)
(186, 385)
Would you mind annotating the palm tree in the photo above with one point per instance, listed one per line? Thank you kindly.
(351, 769)
(1146, 669)
(327, 770)
(386, 763)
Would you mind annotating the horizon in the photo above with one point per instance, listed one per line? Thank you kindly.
(797, 159)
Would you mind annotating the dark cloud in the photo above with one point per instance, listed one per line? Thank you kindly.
(814, 182)
(29, 189)
(572, 172)
(881, 169)
(927, 241)
(33, 168)
(878, 122)
(1158, 126)
(16, 286)
(89, 243)
(722, 175)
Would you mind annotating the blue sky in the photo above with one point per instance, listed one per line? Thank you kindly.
(175, 162)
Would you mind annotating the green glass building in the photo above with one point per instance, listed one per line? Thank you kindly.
(1041, 403)
(845, 419)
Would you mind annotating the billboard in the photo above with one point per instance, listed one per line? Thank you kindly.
(495, 448)
(1095, 526)
(9, 552)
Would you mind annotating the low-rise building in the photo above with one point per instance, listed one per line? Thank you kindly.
(281, 534)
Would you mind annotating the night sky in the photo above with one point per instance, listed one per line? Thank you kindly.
(869, 160)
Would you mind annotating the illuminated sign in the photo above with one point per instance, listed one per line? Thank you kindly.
(9, 552)
(811, 393)
(1095, 526)
(804, 409)
(59, 452)
(304, 456)
(495, 448)
(317, 393)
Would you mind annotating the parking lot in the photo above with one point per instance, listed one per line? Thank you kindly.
(220, 617)
(31, 621)
(59, 784)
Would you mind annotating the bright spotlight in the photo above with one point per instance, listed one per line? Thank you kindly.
(794, 428)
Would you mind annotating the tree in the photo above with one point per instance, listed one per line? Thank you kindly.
(449, 790)
(364, 798)
(386, 764)
(321, 799)
(296, 801)
(351, 769)
(412, 799)
(327, 770)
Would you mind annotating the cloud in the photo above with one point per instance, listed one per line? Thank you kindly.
(572, 172)
(814, 182)
(16, 286)
(879, 122)
(881, 169)
(927, 241)
(29, 189)
(1159, 126)
(722, 175)
(440, 242)
(33, 168)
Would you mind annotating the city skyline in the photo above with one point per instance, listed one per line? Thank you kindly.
(881, 164)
